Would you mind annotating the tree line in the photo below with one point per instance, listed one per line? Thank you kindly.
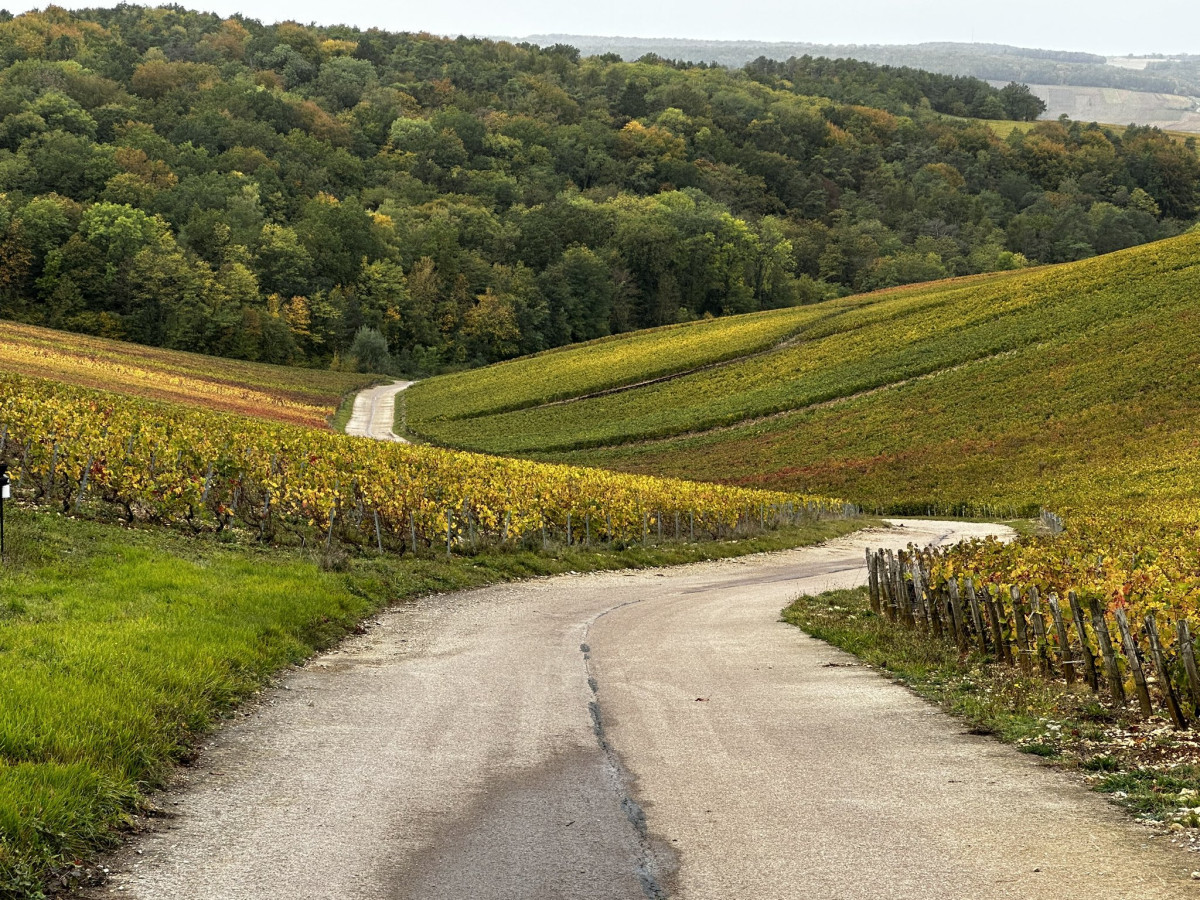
(306, 195)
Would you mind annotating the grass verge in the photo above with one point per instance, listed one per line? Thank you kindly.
(1145, 766)
(120, 646)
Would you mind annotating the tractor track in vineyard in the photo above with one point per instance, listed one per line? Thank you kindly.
(375, 411)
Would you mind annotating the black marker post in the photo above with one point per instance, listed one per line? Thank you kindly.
(5, 493)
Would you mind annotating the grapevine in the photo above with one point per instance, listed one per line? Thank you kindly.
(71, 446)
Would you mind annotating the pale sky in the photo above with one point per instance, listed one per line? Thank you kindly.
(1099, 26)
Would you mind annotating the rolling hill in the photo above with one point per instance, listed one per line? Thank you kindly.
(1086, 87)
(276, 393)
(1072, 386)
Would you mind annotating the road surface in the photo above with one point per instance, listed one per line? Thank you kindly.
(629, 735)
(374, 412)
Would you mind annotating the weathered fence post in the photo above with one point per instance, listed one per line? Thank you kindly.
(885, 585)
(1066, 657)
(1089, 658)
(1018, 606)
(1134, 656)
(1112, 671)
(1164, 674)
(993, 616)
(918, 581)
(1039, 632)
(977, 616)
(1188, 653)
(872, 582)
(902, 597)
(956, 617)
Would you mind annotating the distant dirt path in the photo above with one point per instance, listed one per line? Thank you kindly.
(375, 412)
(628, 735)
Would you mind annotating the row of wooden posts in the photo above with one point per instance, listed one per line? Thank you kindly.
(1020, 630)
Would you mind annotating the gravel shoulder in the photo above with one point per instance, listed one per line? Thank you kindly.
(628, 735)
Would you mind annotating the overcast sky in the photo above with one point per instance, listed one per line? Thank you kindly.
(1101, 26)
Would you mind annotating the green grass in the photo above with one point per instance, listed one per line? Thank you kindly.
(1066, 726)
(118, 647)
(1000, 392)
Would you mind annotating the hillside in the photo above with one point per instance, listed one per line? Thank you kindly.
(1171, 112)
(1158, 91)
(997, 62)
(1053, 386)
(276, 393)
(267, 191)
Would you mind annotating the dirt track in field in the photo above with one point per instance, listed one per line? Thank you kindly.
(374, 412)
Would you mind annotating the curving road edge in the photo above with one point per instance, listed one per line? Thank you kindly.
(629, 735)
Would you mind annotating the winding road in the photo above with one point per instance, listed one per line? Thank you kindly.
(629, 735)
(374, 413)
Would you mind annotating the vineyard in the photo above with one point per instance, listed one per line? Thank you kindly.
(601, 365)
(839, 348)
(75, 448)
(276, 393)
(1066, 387)
(1124, 632)
(1074, 388)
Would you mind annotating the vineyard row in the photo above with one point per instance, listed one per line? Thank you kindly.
(76, 449)
(1083, 640)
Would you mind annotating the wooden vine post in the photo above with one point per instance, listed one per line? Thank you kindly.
(935, 613)
(1085, 650)
(918, 582)
(1066, 657)
(872, 582)
(885, 586)
(1006, 627)
(1003, 654)
(1164, 674)
(1039, 632)
(956, 617)
(977, 616)
(1018, 607)
(889, 573)
(1112, 671)
(1134, 657)
(905, 602)
(1188, 653)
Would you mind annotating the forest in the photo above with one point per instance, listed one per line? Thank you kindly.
(348, 198)
(1177, 74)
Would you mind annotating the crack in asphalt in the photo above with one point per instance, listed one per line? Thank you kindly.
(648, 866)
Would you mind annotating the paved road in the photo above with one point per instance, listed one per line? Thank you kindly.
(622, 736)
(375, 412)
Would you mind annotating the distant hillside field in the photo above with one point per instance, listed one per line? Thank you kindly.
(1087, 87)
(997, 62)
(277, 393)
(1083, 103)
(998, 391)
